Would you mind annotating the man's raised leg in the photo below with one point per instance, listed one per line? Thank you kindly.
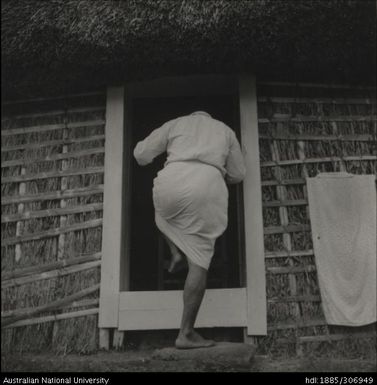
(177, 260)
(193, 293)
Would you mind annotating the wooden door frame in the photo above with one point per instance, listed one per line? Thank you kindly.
(115, 244)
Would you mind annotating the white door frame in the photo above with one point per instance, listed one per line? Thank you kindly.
(124, 310)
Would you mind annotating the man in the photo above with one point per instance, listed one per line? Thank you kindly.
(190, 197)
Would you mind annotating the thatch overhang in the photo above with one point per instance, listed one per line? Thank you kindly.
(55, 44)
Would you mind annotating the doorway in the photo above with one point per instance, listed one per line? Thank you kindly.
(149, 253)
(243, 305)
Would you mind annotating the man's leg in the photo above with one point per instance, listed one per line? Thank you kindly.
(177, 261)
(193, 293)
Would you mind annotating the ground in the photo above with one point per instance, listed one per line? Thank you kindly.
(142, 361)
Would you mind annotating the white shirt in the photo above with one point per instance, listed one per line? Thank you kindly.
(195, 137)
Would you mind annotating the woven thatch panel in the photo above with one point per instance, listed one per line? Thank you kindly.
(52, 168)
(305, 130)
(330, 128)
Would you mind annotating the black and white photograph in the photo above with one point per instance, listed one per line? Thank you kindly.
(188, 186)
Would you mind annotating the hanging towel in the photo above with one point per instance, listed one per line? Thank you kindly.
(343, 219)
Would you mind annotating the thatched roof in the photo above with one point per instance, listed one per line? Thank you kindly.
(96, 42)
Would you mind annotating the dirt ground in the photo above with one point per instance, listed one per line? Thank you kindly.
(142, 361)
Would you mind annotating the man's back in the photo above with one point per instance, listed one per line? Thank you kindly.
(199, 137)
(195, 137)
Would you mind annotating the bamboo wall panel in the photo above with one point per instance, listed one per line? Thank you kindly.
(52, 168)
(304, 130)
(52, 201)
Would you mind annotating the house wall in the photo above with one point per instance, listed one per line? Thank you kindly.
(52, 194)
(52, 154)
(305, 130)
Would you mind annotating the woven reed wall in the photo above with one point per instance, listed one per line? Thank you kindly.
(52, 192)
(305, 130)
(52, 154)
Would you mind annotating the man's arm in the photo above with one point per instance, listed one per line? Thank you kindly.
(153, 145)
(235, 164)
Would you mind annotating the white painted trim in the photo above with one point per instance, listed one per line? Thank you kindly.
(112, 209)
(147, 310)
(252, 196)
(221, 307)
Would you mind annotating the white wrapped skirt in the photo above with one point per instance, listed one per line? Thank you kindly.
(191, 208)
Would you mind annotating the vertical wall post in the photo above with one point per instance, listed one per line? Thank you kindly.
(254, 241)
(20, 224)
(112, 231)
(63, 204)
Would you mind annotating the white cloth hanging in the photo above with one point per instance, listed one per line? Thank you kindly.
(343, 220)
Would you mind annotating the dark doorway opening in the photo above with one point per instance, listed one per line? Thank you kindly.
(149, 252)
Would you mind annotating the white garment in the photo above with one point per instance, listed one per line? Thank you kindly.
(191, 208)
(195, 137)
(343, 220)
(189, 194)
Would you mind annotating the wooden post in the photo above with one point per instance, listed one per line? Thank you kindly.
(118, 339)
(63, 187)
(104, 339)
(112, 230)
(63, 204)
(254, 241)
(342, 165)
(281, 193)
(20, 224)
(301, 154)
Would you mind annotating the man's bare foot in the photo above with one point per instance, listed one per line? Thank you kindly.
(192, 340)
(177, 263)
